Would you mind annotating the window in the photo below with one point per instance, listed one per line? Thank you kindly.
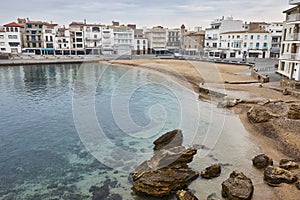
(138, 42)
(78, 34)
(12, 37)
(215, 45)
(33, 32)
(88, 29)
(265, 45)
(251, 45)
(257, 45)
(29, 26)
(39, 38)
(1, 36)
(238, 36)
(228, 44)
(95, 36)
(79, 46)
(245, 44)
(14, 44)
(78, 39)
(3, 49)
(2, 44)
(144, 41)
(51, 39)
(258, 37)
(251, 37)
(233, 37)
(228, 36)
(266, 37)
(33, 44)
(46, 38)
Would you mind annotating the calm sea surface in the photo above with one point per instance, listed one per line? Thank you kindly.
(65, 128)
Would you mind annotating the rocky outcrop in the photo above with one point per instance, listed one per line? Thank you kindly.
(277, 175)
(258, 114)
(211, 172)
(294, 112)
(237, 187)
(185, 195)
(167, 171)
(298, 185)
(262, 161)
(288, 164)
(169, 140)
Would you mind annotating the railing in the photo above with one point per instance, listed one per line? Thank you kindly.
(293, 2)
(291, 56)
(293, 37)
(293, 17)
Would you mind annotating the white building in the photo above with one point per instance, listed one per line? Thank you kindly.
(77, 38)
(107, 41)
(123, 40)
(93, 38)
(275, 28)
(11, 38)
(212, 34)
(243, 44)
(49, 33)
(157, 40)
(140, 46)
(289, 64)
(62, 41)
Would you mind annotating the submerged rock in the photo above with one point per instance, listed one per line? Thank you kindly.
(211, 172)
(185, 195)
(262, 161)
(99, 193)
(288, 164)
(258, 114)
(277, 175)
(169, 140)
(167, 171)
(294, 112)
(237, 187)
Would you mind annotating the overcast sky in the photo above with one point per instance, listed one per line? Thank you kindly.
(169, 13)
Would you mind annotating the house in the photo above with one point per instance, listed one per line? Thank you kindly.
(11, 38)
(173, 40)
(107, 41)
(193, 43)
(275, 28)
(77, 44)
(157, 40)
(140, 44)
(49, 33)
(289, 63)
(123, 40)
(93, 38)
(62, 42)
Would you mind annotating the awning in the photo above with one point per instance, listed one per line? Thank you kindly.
(47, 49)
(160, 49)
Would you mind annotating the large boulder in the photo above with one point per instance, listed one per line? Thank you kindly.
(167, 171)
(288, 164)
(237, 187)
(169, 140)
(211, 172)
(294, 112)
(258, 114)
(262, 161)
(185, 195)
(277, 175)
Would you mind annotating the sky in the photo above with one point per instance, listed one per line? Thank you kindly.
(167, 13)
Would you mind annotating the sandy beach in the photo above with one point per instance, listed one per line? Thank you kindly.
(273, 139)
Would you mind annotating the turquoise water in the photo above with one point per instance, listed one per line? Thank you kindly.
(65, 128)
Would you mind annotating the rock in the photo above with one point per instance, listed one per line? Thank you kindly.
(227, 103)
(288, 164)
(169, 140)
(298, 185)
(285, 92)
(294, 112)
(167, 171)
(114, 197)
(213, 196)
(258, 114)
(262, 161)
(237, 187)
(277, 175)
(100, 193)
(185, 195)
(211, 172)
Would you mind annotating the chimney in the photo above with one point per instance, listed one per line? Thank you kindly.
(84, 21)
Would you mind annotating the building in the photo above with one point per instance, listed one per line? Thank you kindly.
(11, 38)
(76, 30)
(140, 46)
(243, 44)
(173, 40)
(107, 41)
(289, 63)
(123, 40)
(93, 38)
(275, 28)
(33, 37)
(49, 33)
(157, 40)
(62, 42)
(193, 43)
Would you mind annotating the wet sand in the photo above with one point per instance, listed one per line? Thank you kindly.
(192, 73)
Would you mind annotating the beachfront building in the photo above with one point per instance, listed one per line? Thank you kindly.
(62, 42)
(173, 40)
(212, 34)
(93, 39)
(193, 43)
(157, 40)
(275, 28)
(107, 41)
(49, 33)
(123, 40)
(243, 44)
(289, 63)
(140, 44)
(33, 37)
(76, 30)
(11, 38)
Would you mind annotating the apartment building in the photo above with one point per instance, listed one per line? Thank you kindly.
(93, 38)
(11, 38)
(33, 37)
(243, 44)
(140, 44)
(289, 63)
(123, 40)
(76, 30)
(275, 28)
(157, 40)
(49, 33)
(62, 42)
(173, 40)
(107, 41)
(193, 43)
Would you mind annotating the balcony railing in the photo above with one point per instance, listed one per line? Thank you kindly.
(293, 37)
(293, 17)
(294, 2)
(291, 56)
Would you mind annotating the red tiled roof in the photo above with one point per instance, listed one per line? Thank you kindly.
(14, 24)
(51, 24)
(248, 31)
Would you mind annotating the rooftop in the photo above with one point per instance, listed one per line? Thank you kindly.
(14, 24)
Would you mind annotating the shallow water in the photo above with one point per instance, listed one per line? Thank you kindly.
(65, 128)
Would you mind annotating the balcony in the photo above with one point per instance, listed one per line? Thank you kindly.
(291, 56)
(294, 2)
(293, 17)
(293, 37)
